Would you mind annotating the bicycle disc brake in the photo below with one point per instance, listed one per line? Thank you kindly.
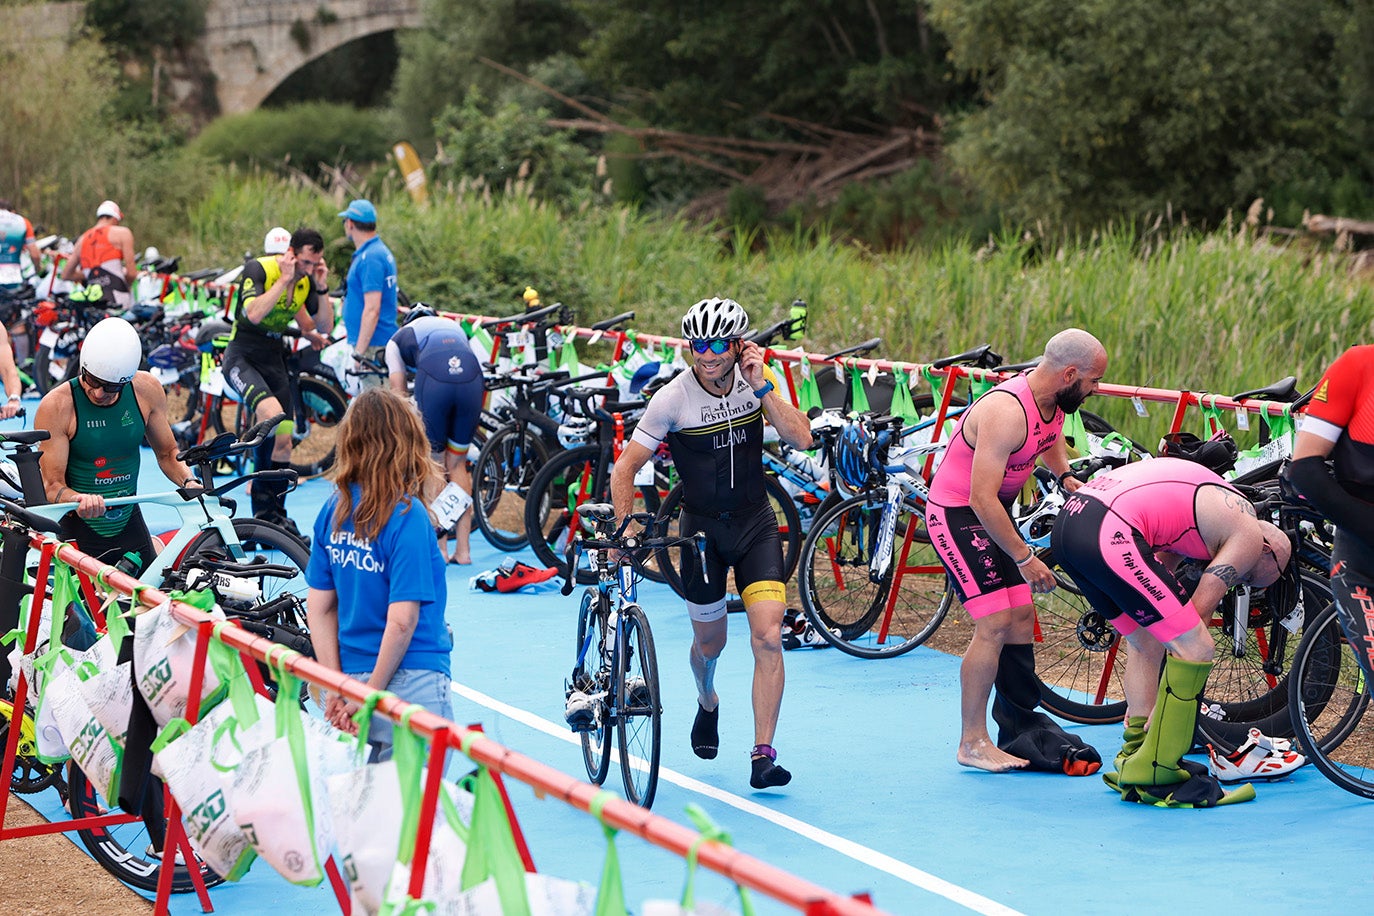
(1094, 633)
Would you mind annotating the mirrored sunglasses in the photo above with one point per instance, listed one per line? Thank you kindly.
(107, 387)
(717, 345)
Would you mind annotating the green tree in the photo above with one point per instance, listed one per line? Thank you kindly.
(139, 26)
(1094, 108)
(440, 62)
(714, 67)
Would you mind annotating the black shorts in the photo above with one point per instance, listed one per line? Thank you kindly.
(133, 538)
(256, 373)
(1352, 585)
(986, 580)
(746, 541)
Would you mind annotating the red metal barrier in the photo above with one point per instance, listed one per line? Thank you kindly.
(737, 866)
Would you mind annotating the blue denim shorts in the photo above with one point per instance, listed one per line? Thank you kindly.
(429, 689)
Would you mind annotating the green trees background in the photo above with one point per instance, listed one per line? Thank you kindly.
(1068, 114)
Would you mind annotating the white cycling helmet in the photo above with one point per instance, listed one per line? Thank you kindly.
(277, 241)
(711, 318)
(112, 351)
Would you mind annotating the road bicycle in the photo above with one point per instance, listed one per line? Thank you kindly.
(614, 685)
(516, 451)
(1330, 705)
(1081, 665)
(583, 475)
(254, 568)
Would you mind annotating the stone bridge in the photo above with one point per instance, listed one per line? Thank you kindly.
(252, 45)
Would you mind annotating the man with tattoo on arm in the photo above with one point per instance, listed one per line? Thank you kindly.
(1122, 537)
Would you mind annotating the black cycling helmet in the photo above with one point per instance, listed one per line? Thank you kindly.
(418, 310)
(1218, 453)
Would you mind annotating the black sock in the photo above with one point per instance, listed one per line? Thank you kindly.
(767, 774)
(705, 733)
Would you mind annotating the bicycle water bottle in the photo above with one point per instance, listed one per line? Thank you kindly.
(231, 588)
(803, 464)
(798, 317)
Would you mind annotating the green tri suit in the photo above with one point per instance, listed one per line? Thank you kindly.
(104, 453)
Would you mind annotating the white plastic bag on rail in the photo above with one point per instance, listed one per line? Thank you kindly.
(193, 761)
(278, 794)
(56, 712)
(92, 747)
(339, 357)
(164, 652)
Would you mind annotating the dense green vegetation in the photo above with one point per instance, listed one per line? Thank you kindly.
(1091, 123)
(1214, 311)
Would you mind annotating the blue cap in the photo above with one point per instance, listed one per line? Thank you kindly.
(360, 211)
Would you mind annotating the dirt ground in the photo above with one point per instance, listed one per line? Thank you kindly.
(46, 876)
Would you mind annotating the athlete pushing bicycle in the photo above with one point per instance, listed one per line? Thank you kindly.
(712, 419)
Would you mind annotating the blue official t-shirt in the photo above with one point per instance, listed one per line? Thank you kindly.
(373, 269)
(402, 564)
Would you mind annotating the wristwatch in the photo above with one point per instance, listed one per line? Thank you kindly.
(767, 387)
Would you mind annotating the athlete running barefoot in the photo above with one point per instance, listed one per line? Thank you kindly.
(990, 456)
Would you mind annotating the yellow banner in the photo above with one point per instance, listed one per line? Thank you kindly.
(413, 170)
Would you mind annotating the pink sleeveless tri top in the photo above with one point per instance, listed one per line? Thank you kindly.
(1159, 499)
(953, 479)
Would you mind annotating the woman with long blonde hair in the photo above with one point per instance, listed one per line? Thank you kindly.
(376, 576)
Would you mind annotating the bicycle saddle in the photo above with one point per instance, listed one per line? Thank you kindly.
(24, 436)
(1284, 390)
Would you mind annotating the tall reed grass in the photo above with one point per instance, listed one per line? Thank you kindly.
(1217, 312)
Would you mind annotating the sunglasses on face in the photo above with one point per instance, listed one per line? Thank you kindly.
(107, 387)
(717, 345)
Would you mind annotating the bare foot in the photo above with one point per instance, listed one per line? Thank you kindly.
(462, 562)
(984, 755)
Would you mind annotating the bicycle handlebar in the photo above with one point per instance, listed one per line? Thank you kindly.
(608, 323)
(872, 343)
(523, 317)
(602, 516)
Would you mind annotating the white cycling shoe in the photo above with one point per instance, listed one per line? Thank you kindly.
(1259, 757)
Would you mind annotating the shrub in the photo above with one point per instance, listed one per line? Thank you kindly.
(307, 137)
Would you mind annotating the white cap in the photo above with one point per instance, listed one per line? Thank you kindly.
(277, 241)
(109, 208)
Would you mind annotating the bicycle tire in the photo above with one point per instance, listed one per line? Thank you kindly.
(323, 407)
(860, 617)
(564, 482)
(273, 544)
(29, 775)
(1331, 704)
(669, 560)
(1240, 694)
(639, 719)
(1079, 657)
(44, 362)
(501, 478)
(121, 849)
(592, 676)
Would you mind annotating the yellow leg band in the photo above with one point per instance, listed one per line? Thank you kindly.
(764, 591)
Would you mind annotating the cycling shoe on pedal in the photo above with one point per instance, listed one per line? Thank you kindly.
(1259, 757)
(580, 711)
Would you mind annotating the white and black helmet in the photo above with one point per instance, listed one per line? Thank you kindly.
(112, 351)
(711, 318)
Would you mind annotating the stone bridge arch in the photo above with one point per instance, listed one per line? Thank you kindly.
(254, 45)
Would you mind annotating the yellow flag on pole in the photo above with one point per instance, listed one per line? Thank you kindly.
(413, 170)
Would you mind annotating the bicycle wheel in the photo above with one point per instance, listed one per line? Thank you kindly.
(592, 676)
(668, 561)
(566, 481)
(1248, 686)
(30, 775)
(639, 720)
(124, 850)
(1330, 704)
(852, 612)
(57, 362)
(501, 480)
(322, 407)
(1079, 657)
